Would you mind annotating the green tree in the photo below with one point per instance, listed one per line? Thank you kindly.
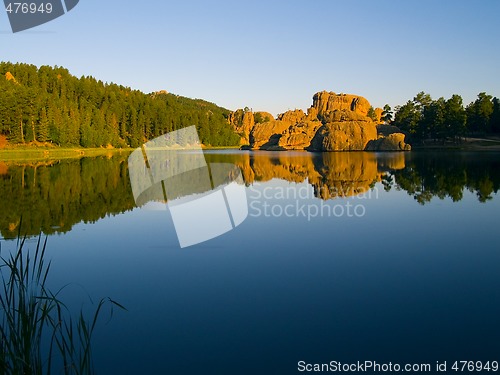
(479, 113)
(371, 114)
(43, 126)
(90, 113)
(495, 116)
(407, 118)
(387, 114)
(455, 117)
(432, 123)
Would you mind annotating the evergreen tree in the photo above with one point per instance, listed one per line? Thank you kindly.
(479, 113)
(387, 114)
(495, 116)
(455, 117)
(43, 126)
(371, 114)
(432, 123)
(48, 103)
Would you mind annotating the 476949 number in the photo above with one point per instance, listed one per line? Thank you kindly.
(28, 8)
(475, 366)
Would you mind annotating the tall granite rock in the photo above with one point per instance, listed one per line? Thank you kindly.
(326, 102)
(293, 130)
(335, 122)
(242, 121)
(344, 131)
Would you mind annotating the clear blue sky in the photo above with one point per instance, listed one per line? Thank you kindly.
(274, 55)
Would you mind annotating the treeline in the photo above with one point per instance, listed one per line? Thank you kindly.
(48, 104)
(424, 118)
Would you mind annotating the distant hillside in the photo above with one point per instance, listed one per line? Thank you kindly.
(48, 104)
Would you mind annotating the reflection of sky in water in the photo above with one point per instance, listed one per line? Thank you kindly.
(403, 283)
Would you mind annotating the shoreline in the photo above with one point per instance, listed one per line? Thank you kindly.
(31, 153)
(37, 153)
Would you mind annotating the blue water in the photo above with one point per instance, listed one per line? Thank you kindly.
(405, 283)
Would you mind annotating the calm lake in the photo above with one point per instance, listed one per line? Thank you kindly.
(390, 257)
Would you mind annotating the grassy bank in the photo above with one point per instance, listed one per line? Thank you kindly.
(27, 153)
(466, 144)
(30, 153)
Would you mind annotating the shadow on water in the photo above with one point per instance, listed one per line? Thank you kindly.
(53, 196)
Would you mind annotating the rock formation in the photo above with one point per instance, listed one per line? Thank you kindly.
(10, 77)
(334, 122)
(242, 121)
(390, 139)
(378, 114)
(298, 137)
(262, 117)
(326, 102)
(343, 136)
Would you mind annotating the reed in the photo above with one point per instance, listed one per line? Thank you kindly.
(38, 333)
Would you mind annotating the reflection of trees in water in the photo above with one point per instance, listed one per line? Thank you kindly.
(52, 197)
(447, 175)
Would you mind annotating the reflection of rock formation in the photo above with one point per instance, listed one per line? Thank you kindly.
(3, 168)
(53, 197)
(345, 174)
(332, 175)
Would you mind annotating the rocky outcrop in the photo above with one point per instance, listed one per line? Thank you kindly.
(393, 142)
(266, 135)
(390, 138)
(344, 136)
(291, 131)
(242, 122)
(262, 117)
(298, 137)
(378, 114)
(10, 77)
(334, 122)
(325, 102)
(292, 117)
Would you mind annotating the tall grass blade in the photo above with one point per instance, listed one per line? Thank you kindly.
(37, 331)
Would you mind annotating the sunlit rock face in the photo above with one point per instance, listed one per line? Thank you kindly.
(335, 122)
(390, 138)
(344, 131)
(242, 122)
(326, 102)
